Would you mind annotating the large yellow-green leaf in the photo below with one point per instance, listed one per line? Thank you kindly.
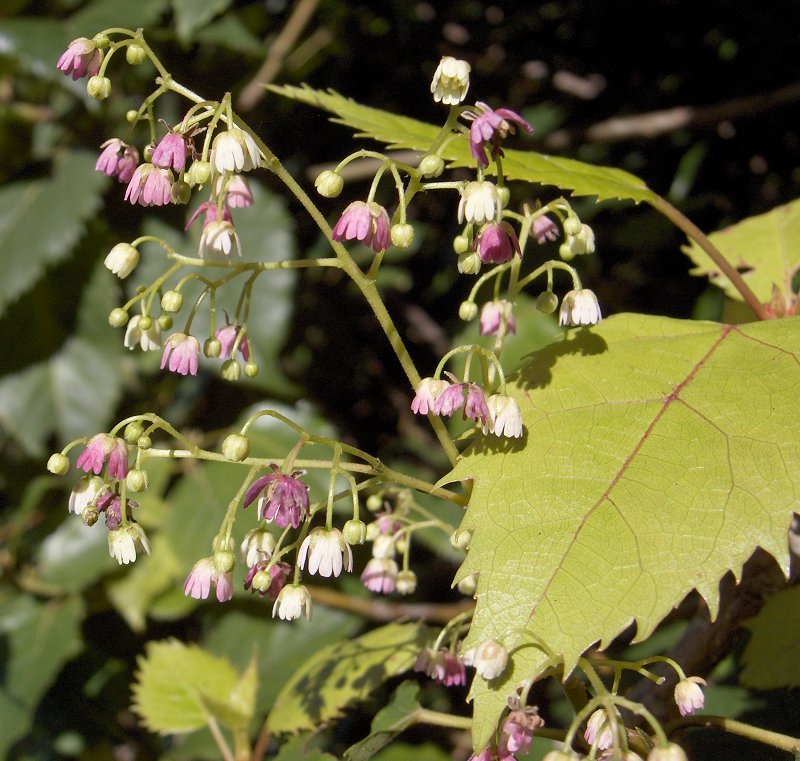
(658, 455)
(343, 673)
(772, 656)
(765, 248)
(404, 132)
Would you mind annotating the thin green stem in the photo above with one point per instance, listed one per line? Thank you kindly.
(775, 739)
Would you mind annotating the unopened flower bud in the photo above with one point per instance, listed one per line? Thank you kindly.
(374, 502)
(505, 195)
(231, 370)
(235, 447)
(251, 369)
(468, 310)
(402, 235)
(102, 40)
(135, 54)
(431, 166)
(468, 585)
(224, 561)
(98, 87)
(172, 301)
(461, 244)
(469, 264)
(406, 582)
(560, 755)
(180, 192)
(460, 539)
(148, 152)
(355, 531)
(89, 516)
(144, 442)
(199, 173)
(165, 321)
(145, 322)
(136, 480)
(58, 464)
(131, 116)
(118, 317)
(572, 225)
(329, 184)
(670, 752)
(133, 431)
(212, 348)
(547, 302)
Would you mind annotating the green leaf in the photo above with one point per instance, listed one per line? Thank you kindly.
(405, 133)
(404, 751)
(42, 220)
(764, 248)
(659, 454)
(36, 639)
(191, 15)
(343, 673)
(102, 14)
(770, 658)
(178, 685)
(302, 747)
(388, 723)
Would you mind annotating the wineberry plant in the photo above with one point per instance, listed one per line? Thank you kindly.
(586, 484)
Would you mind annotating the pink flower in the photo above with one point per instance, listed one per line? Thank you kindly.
(182, 352)
(117, 159)
(82, 58)
(496, 243)
(237, 191)
(518, 729)
(100, 448)
(689, 695)
(267, 579)
(111, 505)
(442, 666)
(544, 229)
(598, 730)
(491, 127)
(427, 393)
(285, 500)
(452, 398)
(212, 212)
(149, 186)
(227, 337)
(493, 315)
(204, 573)
(171, 152)
(367, 222)
(380, 575)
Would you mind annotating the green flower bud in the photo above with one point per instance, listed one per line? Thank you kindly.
(402, 235)
(89, 516)
(133, 431)
(58, 464)
(468, 585)
(136, 480)
(118, 318)
(431, 166)
(505, 195)
(670, 752)
(251, 369)
(165, 321)
(547, 302)
(329, 184)
(212, 348)
(355, 531)
(172, 301)
(406, 582)
(461, 244)
(98, 87)
(235, 447)
(199, 173)
(101, 40)
(374, 502)
(180, 192)
(145, 322)
(469, 264)
(135, 54)
(468, 310)
(131, 116)
(231, 370)
(224, 561)
(565, 252)
(572, 225)
(148, 151)
(144, 442)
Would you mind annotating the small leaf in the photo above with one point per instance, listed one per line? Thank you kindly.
(406, 133)
(174, 683)
(772, 656)
(344, 672)
(191, 15)
(764, 248)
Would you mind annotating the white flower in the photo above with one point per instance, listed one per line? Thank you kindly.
(670, 752)
(480, 202)
(258, 544)
(235, 151)
(291, 603)
(598, 730)
(122, 543)
(450, 81)
(489, 659)
(122, 260)
(574, 245)
(689, 695)
(505, 418)
(219, 238)
(579, 308)
(149, 339)
(84, 493)
(327, 552)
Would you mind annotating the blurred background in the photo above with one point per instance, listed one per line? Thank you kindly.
(699, 101)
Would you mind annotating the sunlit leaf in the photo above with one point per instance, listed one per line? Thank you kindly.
(344, 672)
(659, 455)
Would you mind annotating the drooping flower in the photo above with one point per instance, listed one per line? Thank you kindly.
(505, 417)
(102, 447)
(426, 395)
(441, 665)
(364, 221)
(497, 313)
(489, 659)
(267, 579)
(453, 397)
(149, 339)
(670, 752)
(81, 58)
(581, 243)
(111, 506)
(544, 229)
(326, 552)
(689, 695)
(212, 212)
(284, 501)
(84, 493)
(122, 543)
(480, 202)
(234, 151)
(149, 186)
(518, 730)
(181, 352)
(579, 308)
(292, 602)
(598, 730)
(490, 127)
(117, 159)
(227, 337)
(198, 582)
(219, 238)
(258, 544)
(237, 191)
(171, 152)
(380, 575)
(497, 243)
(450, 81)
(122, 260)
